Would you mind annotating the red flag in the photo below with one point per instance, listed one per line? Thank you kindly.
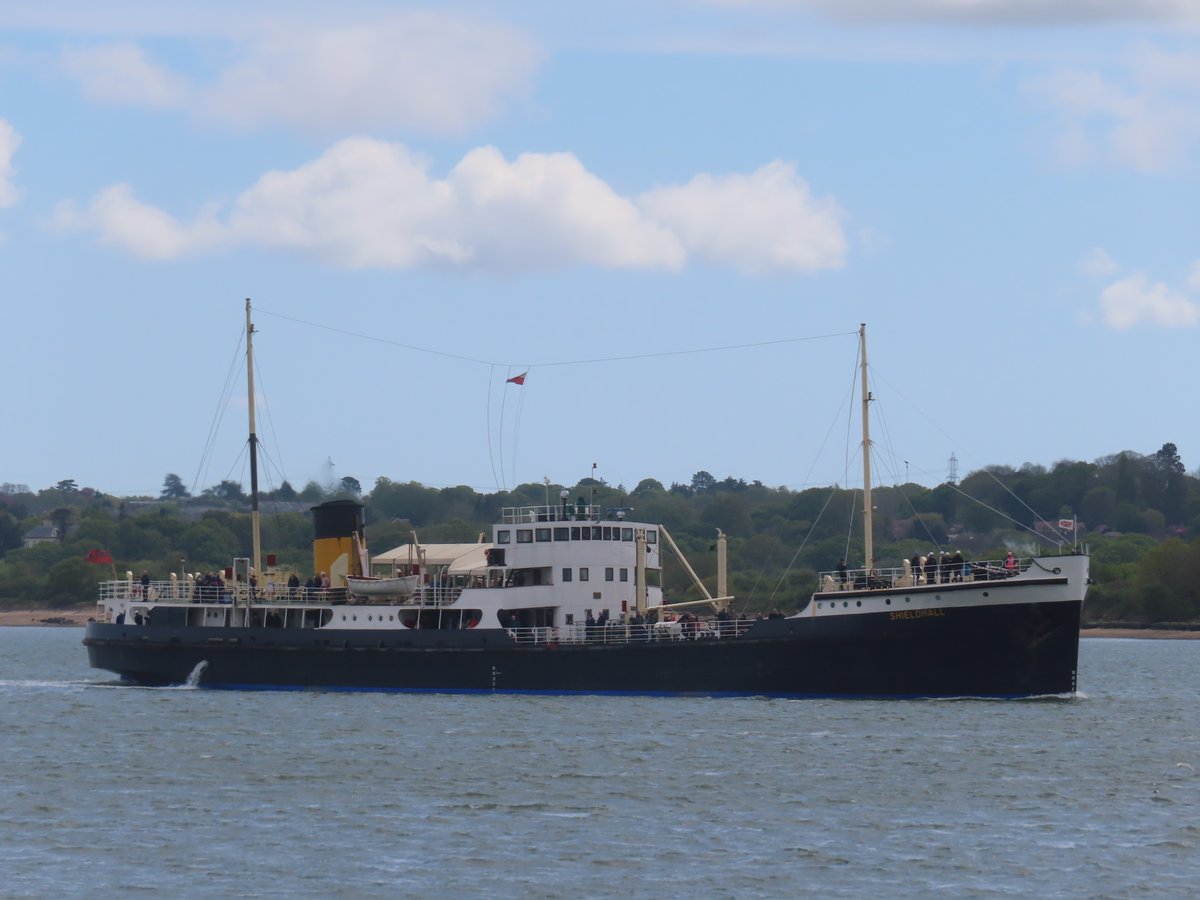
(517, 379)
(103, 557)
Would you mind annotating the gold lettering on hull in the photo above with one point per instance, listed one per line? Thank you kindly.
(916, 614)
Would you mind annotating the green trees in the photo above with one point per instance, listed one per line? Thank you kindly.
(173, 488)
(1140, 515)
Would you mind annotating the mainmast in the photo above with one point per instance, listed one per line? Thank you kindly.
(868, 518)
(258, 573)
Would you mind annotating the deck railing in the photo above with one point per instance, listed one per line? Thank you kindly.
(626, 634)
(182, 592)
(933, 574)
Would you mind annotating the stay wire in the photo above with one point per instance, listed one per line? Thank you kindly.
(219, 414)
(564, 362)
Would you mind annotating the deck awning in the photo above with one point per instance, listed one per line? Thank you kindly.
(459, 557)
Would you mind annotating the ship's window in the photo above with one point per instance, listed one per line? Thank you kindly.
(562, 534)
(596, 533)
(583, 573)
(541, 534)
(574, 532)
(524, 535)
(627, 534)
(608, 573)
(624, 574)
(503, 536)
(586, 533)
(651, 536)
(566, 574)
(608, 532)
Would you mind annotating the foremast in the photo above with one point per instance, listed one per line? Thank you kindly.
(254, 524)
(868, 518)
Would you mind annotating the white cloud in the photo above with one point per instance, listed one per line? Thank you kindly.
(121, 220)
(1193, 281)
(370, 203)
(765, 221)
(1146, 117)
(989, 12)
(1099, 264)
(9, 142)
(1135, 301)
(435, 72)
(121, 74)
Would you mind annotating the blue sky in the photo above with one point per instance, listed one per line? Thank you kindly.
(423, 200)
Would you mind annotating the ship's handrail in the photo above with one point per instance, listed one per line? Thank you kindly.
(527, 515)
(618, 633)
(933, 574)
(181, 592)
(433, 595)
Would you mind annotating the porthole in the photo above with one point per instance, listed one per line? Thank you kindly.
(888, 601)
(343, 617)
(845, 603)
(985, 593)
(818, 606)
(858, 603)
(354, 618)
(908, 599)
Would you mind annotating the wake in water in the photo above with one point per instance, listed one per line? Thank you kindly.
(193, 679)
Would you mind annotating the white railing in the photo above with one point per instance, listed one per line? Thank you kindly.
(705, 629)
(932, 574)
(182, 592)
(526, 515)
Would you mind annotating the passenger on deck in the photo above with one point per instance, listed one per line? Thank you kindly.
(145, 585)
(915, 563)
(1010, 564)
(841, 570)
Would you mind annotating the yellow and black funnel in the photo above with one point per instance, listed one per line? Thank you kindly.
(337, 536)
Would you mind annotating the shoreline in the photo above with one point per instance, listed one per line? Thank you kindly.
(77, 618)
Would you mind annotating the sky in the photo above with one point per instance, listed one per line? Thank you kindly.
(672, 215)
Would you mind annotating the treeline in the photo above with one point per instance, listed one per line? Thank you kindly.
(1138, 514)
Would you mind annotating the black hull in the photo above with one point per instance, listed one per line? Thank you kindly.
(1012, 650)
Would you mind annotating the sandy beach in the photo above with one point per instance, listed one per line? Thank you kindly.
(65, 617)
(75, 618)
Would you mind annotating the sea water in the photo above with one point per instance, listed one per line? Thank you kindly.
(109, 789)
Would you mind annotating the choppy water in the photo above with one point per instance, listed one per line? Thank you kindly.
(109, 789)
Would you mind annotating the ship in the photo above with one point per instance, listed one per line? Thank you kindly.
(567, 598)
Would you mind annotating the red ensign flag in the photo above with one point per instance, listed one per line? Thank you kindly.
(517, 379)
(103, 557)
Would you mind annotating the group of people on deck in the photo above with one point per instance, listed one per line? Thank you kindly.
(935, 568)
(944, 568)
(319, 582)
